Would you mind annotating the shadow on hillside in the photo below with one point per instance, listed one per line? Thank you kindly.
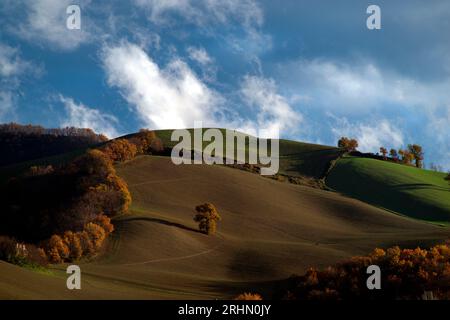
(161, 221)
(246, 264)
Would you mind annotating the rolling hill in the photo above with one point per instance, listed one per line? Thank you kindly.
(269, 231)
(413, 192)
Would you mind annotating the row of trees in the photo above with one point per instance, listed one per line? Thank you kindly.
(144, 142)
(27, 142)
(29, 129)
(74, 245)
(405, 274)
(412, 154)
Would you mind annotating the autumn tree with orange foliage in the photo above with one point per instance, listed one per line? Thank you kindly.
(406, 274)
(417, 154)
(383, 152)
(407, 157)
(120, 150)
(348, 144)
(393, 154)
(72, 246)
(146, 141)
(207, 218)
(58, 251)
(248, 296)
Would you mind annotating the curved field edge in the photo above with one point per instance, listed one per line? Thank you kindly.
(413, 192)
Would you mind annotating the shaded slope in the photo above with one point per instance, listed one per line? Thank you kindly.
(413, 192)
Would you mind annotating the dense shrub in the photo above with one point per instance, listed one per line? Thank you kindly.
(74, 245)
(405, 273)
(120, 150)
(248, 296)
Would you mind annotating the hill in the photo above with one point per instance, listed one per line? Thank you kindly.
(296, 158)
(269, 231)
(418, 193)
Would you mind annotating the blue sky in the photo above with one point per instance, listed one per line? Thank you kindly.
(311, 69)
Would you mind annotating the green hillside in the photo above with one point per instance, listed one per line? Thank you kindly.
(417, 193)
(296, 158)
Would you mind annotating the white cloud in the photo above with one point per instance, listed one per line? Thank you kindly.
(171, 97)
(81, 116)
(273, 110)
(205, 12)
(46, 23)
(174, 97)
(370, 135)
(199, 55)
(205, 61)
(12, 65)
(12, 71)
(10, 62)
(360, 87)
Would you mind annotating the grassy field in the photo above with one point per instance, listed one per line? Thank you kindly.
(269, 231)
(296, 158)
(417, 193)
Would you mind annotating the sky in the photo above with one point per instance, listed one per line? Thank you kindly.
(311, 70)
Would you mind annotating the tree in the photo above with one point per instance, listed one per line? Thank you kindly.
(57, 249)
(348, 144)
(407, 157)
(72, 241)
(384, 152)
(248, 296)
(393, 154)
(417, 154)
(207, 218)
(146, 141)
(120, 150)
(96, 233)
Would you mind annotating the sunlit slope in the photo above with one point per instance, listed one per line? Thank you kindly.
(296, 158)
(417, 193)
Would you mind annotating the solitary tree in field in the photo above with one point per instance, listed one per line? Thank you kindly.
(394, 155)
(348, 144)
(207, 217)
(417, 154)
(384, 152)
